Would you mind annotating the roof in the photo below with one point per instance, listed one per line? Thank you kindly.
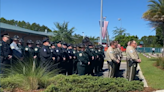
(19, 29)
(103, 41)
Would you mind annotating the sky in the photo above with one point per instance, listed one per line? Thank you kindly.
(84, 15)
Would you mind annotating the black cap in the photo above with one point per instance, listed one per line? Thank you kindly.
(81, 45)
(21, 40)
(97, 46)
(64, 43)
(52, 43)
(58, 42)
(16, 37)
(45, 40)
(30, 42)
(90, 44)
(69, 45)
(74, 46)
(5, 35)
(38, 42)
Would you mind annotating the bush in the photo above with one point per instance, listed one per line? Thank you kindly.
(160, 62)
(75, 83)
(25, 75)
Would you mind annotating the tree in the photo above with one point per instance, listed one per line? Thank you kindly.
(155, 15)
(119, 32)
(62, 32)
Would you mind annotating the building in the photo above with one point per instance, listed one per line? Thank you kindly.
(23, 33)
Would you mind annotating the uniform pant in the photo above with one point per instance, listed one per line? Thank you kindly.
(4, 64)
(102, 63)
(118, 68)
(132, 71)
(90, 68)
(81, 69)
(112, 66)
(70, 67)
(74, 66)
(127, 70)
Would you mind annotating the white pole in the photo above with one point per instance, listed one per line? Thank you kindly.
(101, 11)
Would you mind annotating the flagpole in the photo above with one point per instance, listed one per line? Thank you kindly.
(101, 11)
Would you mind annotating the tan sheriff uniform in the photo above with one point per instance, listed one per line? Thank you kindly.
(133, 55)
(112, 57)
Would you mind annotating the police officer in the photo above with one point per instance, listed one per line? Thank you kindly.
(21, 46)
(36, 51)
(112, 59)
(29, 51)
(45, 53)
(102, 58)
(127, 61)
(5, 53)
(58, 52)
(119, 52)
(83, 60)
(65, 58)
(16, 51)
(91, 54)
(97, 59)
(74, 59)
(70, 62)
(133, 59)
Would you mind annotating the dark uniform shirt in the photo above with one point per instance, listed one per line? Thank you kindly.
(45, 54)
(4, 50)
(29, 52)
(82, 58)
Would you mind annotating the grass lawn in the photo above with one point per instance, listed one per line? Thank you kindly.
(153, 75)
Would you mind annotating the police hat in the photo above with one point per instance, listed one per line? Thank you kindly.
(45, 40)
(38, 42)
(5, 35)
(21, 40)
(30, 42)
(16, 37)
(74, 46)
(90, 44)
(58, 42)
(81, 45)
(52, 43)
(69, 45)
(64, 43)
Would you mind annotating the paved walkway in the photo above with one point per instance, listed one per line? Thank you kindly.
(122, 73)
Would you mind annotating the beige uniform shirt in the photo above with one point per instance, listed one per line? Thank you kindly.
(117, 53)
(111, 54)
(131, 53)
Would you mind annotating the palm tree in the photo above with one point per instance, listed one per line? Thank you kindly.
(63, 33)
(155, 15)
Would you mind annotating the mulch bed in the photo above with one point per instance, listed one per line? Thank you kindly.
(146, 89)
(154, 64)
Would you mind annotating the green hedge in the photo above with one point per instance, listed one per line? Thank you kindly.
(75, 83)
(160, 62)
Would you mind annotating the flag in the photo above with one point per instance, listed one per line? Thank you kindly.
(104, 29)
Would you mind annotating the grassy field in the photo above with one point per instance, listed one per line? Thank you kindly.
(153, 75)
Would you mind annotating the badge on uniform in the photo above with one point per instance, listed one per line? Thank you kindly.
(99, 50)
(131, 51)
(26, 49)
(36, 49)
(74, 52)
(44, 50)
(80, 54)
(57, 50)
(68, 51)
(96, 51)
(12, 47)
(111, 52)
(0, 44)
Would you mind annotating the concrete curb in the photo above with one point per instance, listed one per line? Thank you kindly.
(159, 91)
(142, 76)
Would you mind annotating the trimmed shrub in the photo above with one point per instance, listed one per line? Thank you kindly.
(75, 83)
(160, 62)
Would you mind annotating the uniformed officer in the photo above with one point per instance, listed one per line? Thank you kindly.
(29, 51)
(127, 61)
(5, 53)
(21, 46)
(45, 53)
(36, 51)
(16, 51)
(74, 59)
(91, 54)
(70, 62)
(133, 59)
(112, 59)
(102, 58)
(83, 60)
(97, 59)
(65, 58)
(58, 52)
(119, 55)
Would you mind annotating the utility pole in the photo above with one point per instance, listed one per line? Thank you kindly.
(101, 14)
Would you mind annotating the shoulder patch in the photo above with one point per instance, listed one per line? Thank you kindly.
(111, 51)
(99, 50)
(57, 50)
(36, 49)
(68, 51)
(74, 52)
(12, 47)
(0, 44)
(80, 54)
(131, 51)
(26, 49)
